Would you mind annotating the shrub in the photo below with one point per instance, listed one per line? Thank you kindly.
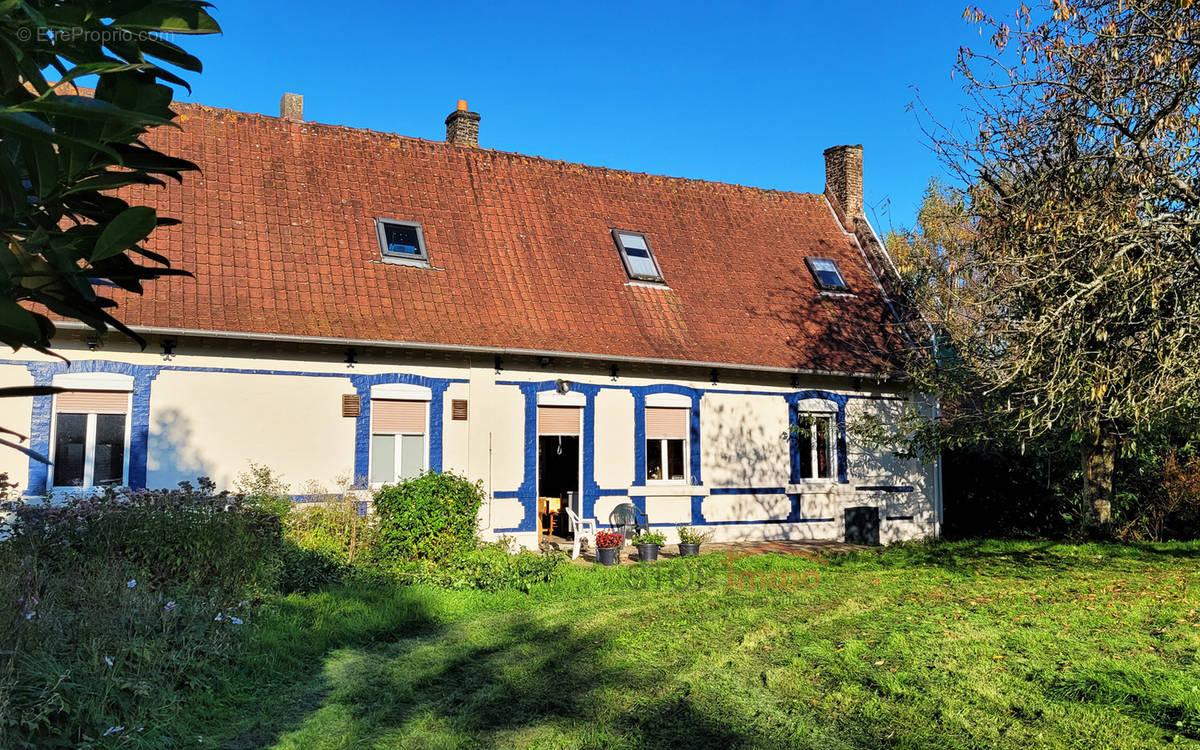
(334, 527)
(117, 603)
(1170, 510)
(192, 536)
(262, 487)
(488, 567)
(326, 540)
(432, 517)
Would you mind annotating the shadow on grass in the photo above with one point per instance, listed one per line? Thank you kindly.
(352, 667)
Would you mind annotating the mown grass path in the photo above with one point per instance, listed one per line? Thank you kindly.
(966, 645)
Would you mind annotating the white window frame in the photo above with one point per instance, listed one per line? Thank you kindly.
(666, 468)
(89, 445)
(831, 442)
(671, 401)
(398, 451)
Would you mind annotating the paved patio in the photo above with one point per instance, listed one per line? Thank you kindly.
(801, 547)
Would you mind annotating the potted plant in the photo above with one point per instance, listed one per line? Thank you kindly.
(608, 547)
(648, 544)
(690, 539)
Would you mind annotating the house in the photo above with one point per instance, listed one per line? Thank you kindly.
(368, 306)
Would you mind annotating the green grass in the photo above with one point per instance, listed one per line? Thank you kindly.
(967, 645)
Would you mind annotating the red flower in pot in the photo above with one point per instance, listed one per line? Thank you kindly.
(609, 539)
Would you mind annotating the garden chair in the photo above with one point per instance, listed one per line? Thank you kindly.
(582, 529)
(628, 520)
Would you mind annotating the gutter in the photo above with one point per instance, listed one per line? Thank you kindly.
(468, 349)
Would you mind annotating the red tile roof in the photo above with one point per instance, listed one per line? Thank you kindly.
(279, 232)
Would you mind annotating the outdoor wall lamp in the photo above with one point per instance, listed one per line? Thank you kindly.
(168, 349)
(562, 386)
(351, 357)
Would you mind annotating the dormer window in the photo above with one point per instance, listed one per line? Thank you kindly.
(402, 242)
(827, 274)
(636, 255)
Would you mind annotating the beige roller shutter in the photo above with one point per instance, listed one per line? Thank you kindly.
(100, 402)
(397, 416)
(558, 420)
(667, 422)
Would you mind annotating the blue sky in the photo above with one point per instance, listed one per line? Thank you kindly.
(748, 93)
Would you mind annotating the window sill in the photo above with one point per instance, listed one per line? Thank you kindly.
(411, 263)
(812, 485)
(668, 489)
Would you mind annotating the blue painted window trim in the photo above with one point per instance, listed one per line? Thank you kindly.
(639, 430)
(362, 425)
(793, 401)
(44, 372)
(527, 492)
(139, 434)
(139, 416)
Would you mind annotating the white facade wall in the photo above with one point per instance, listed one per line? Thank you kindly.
(217, 406)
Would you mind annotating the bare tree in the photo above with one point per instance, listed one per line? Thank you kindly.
(1067, 300)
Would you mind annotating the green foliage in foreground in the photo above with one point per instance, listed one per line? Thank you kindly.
(988, 644)
(431, 517)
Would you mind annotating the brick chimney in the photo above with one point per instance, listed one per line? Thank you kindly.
(462, 126)
(291, 107)
(844, 180)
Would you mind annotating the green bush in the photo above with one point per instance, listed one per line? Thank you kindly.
(431, 517)
(488, 567)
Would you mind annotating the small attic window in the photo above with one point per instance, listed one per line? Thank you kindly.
(401, 241)
(827, 274)
(636, 255)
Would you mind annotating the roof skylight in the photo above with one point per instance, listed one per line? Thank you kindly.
(827, 274)
(636, 255)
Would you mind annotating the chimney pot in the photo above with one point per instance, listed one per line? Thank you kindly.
(462, 126)
(291, 107)
(844, 179)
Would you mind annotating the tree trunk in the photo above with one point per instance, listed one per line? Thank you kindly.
(1099, 458)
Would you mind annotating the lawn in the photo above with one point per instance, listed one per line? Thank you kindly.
(963, 645)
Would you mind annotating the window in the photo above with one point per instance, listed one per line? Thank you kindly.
(397, 439)
(666, 443)
(826, 272)
(402, 241)
(636, 255)
(91, 439)
(815, 438)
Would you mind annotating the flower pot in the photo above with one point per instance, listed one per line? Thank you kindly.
(689, 549)
(608, 555)
(647, 552)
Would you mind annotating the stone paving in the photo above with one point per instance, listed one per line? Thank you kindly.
(801, 547)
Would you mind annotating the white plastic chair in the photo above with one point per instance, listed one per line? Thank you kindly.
(582, 529)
